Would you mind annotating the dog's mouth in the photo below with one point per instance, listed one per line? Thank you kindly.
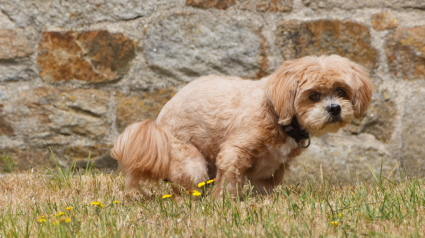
(333, 119)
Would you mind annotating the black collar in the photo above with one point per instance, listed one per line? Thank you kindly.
(294, 130)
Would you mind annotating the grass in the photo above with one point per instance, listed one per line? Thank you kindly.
(30, 201)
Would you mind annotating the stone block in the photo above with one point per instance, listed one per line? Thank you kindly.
(274, 6)
(219, 4)
(94, 56)
(341, 158)
(343, 37)
(13, 45)
(28, 158)
(356, 4)
(13, 72)
(105, 163)
(383, 21)
(186, 46)
(77, 12)
(89, 101)
(5, 127)
(133, 109)
(413, 133)
(48, 116)
(405, 50)
(378, 120)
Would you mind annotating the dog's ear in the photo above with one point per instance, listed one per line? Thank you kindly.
(363, 88)
(281, 90)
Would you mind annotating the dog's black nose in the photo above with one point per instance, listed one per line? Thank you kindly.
(334, 109)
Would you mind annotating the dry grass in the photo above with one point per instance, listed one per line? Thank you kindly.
(384, 208)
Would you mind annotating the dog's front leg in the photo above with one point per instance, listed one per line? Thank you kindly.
(266, 185)
(232, 162)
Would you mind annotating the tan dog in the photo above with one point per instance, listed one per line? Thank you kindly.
(233, 129)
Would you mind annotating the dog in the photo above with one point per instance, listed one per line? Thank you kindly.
(233, 129)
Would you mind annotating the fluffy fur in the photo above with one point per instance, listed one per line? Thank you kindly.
(230, 129)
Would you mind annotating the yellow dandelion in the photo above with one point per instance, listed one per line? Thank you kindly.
(59, 214)
(41, 220)
(42, 217)
(210, 181)
(166, 196)
(69, 209)
(335, 223)
(67, 220)
(98, 203)
(115, 202)
(196, 193)
(201, 184)
(339, 215)
(54, 223)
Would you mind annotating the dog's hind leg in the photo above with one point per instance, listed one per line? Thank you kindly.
(232, 162)
(188, 166)
(132, 182)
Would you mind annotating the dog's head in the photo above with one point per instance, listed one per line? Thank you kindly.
(324, 93)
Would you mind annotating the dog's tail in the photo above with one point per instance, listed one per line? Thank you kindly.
(143, 151)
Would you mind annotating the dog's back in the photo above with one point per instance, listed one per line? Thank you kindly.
(209, 109)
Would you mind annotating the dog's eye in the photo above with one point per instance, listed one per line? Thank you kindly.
(341, 92)
(315, 97)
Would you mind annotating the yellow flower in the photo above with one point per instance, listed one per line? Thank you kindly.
(196, 193)
(112, 212)
(54, 223)
(67, 220)
(201, 184)
(42, 217)
(69, 209)
(98, 203)
(340, 215)
(335, 223)
(210, 181)
(59, 214)
(41, 220)
(115, 202)
(166, 196)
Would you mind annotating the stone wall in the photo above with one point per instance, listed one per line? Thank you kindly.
(74, 74)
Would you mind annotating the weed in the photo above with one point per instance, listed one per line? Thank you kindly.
(9, 164)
